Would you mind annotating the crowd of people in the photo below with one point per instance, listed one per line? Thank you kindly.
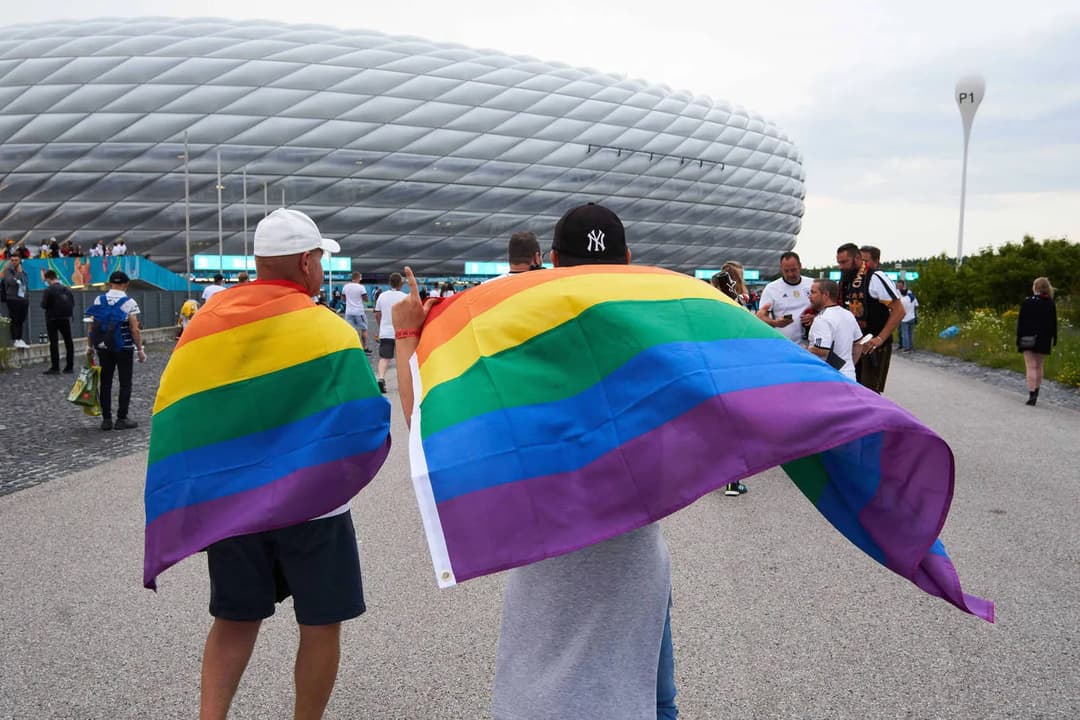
(53, 248)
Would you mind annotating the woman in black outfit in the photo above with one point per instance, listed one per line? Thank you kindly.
(1035, 329)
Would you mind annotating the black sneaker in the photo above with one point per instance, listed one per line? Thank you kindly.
(68, 371)
(367, 350)
(382, 386)
(125, 424)
(106, 424)
(732, 489)
(740, 487)
(52, 371)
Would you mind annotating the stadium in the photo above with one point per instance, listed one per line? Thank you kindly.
(401, 149)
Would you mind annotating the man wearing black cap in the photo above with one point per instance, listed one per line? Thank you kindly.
(566, 618)
(589, 235)
(116, 338)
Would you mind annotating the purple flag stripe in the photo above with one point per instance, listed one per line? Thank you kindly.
(725, 438)
(294, 498)
(906, 514)
(937, 576)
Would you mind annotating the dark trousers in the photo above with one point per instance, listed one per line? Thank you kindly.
(874, 368)
(57, 328)
(17, 310)
(122, 362)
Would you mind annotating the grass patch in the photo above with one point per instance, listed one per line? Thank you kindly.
(988, 338)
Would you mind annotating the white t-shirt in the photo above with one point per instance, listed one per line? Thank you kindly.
(835, 327)
(97, 251)
(882, 288)
(354, 294)
(119, 249)
(910, 302)
(790, 300)
(211, 291)
(387, 300)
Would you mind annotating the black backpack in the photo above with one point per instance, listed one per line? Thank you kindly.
(63, 302)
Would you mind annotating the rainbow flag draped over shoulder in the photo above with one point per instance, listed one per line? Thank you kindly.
(267, 415)
(560, 408)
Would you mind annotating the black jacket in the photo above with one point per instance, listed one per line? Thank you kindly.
(1038, 317)
(58, 302)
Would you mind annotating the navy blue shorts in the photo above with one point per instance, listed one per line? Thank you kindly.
(316, 562)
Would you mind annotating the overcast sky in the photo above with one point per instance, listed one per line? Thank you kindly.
(864, 88)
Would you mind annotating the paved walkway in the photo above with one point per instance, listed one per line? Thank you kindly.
(775, 615)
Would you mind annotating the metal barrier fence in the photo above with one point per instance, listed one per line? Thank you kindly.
(157, 308)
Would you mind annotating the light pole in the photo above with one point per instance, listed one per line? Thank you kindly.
(187, 217)
(969, 94)
(245, 219)
(220, 241)
(265, 196)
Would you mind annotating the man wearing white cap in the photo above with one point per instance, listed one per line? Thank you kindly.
(317, 561)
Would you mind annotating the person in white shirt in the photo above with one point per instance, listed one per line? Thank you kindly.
(119, 248)
(212, 290)
(356, 298)
(907, 325)
(785, 301)
(834, 335)
(98, 250)
(387, 300)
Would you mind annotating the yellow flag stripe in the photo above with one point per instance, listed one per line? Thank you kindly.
(251, 350)
(539, 309)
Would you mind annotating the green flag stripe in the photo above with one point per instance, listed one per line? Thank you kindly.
(261, 403)
(809, 476)
(598, 341)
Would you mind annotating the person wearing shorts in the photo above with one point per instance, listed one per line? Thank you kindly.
(383, 317)
(315, 561)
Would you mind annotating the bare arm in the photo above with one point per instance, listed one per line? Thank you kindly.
(409, 316)
(856, 351)
(820, 352)
(136, 337)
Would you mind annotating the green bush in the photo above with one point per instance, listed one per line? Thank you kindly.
(989, 338)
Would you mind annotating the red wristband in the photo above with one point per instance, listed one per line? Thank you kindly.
(411, 333)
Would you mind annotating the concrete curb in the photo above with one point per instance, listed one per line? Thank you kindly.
(38, 353)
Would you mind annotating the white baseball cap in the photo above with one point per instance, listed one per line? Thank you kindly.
(290, 232)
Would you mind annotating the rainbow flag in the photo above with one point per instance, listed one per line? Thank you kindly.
(560, 408)
(267, 415)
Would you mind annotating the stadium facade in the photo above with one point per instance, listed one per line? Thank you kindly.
(403, 150)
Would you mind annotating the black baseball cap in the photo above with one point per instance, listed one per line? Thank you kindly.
(590, 234)
(119, 278)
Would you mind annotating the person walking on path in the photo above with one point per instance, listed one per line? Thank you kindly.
(1036, 329)
(115, 335)
(356, 298)
(566, 618)
(320, 434)
(15, 292)
(385, 320)
(58, 304)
